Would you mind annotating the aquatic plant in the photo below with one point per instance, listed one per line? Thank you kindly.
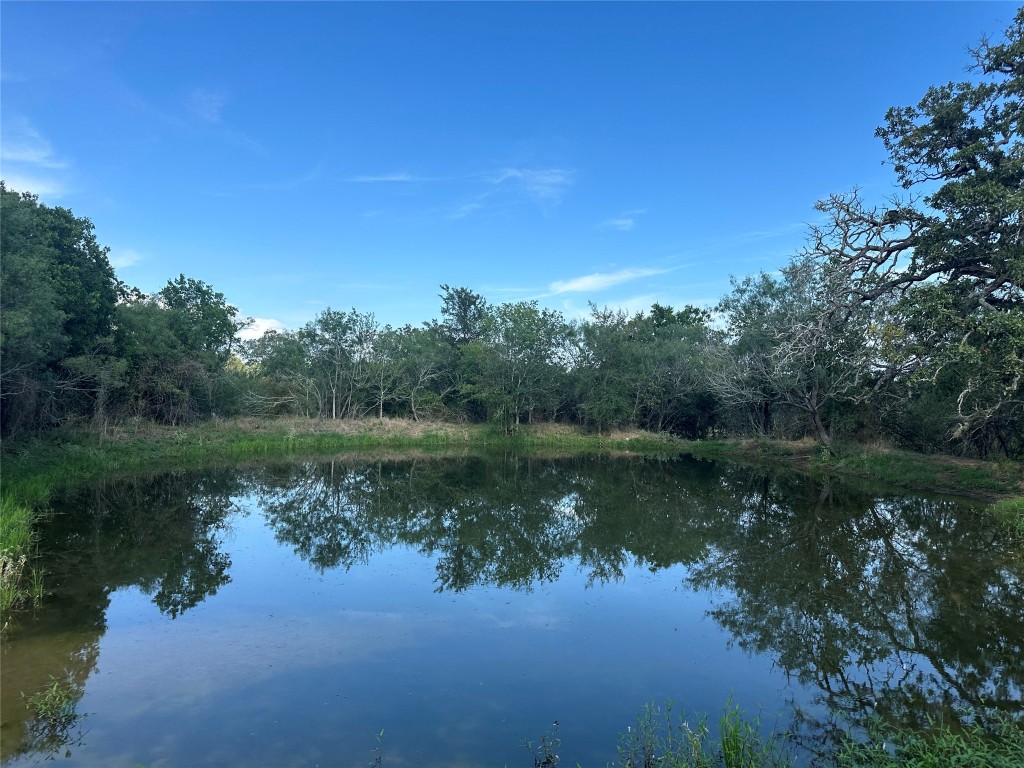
(660, 739)
(545, 751)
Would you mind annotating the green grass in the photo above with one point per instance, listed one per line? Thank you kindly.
(940, 473)
(21, 583)
(54, 705)
(1011, 512)
(974, 746)
(64, 457)
(35, 468)
(660, 739)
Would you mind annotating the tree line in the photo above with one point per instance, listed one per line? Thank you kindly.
(902, 321)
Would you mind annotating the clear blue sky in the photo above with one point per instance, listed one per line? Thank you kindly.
(298, 156)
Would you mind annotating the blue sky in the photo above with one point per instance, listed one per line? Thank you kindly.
(304, 155)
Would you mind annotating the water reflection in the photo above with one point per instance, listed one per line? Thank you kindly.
(898, 606)
(160, 534)
(904, 608)
(512, 522)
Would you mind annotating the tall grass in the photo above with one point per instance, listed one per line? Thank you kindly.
(1011, 512)
(948, 474)
(975, 746)
(661, 740)
(20, 582)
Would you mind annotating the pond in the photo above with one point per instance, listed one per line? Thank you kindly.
(443, 611)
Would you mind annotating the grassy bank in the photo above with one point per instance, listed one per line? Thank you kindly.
(71, 456)
(999, 482)
(33, 469)
(989, 480)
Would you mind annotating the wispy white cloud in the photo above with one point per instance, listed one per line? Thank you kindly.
(121, 258)
(548, 184)
(631, 306)
(482, 190)
(599, 281)
(28, 162)
(46, 187)
(24, 144)
(289, 184)
(769, 234)
(206, 104)
(509, 289)
(624, 222)
(636, 304)
(464, 210)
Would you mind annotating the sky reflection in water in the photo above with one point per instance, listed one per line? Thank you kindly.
(286, 614)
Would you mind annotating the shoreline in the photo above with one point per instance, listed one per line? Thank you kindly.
(36, 467)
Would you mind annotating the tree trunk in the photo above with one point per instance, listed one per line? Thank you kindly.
(819, 424)
(766, 417)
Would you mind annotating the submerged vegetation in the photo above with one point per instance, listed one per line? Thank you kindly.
(54, 715)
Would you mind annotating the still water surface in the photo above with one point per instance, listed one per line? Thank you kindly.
(285, 615)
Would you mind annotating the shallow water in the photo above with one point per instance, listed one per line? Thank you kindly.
(288, 614)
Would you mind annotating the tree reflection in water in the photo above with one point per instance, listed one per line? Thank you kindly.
(897, 606)
(160, 534)
(903, 608)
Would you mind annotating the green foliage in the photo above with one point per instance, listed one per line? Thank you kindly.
(966, 267)
(70, 351)
(516, 368)
(645, 370)
(200, 318)
(1011, 511)
(21, 581)
(660, 739)
(465, 314)
(545, 751)
(54, 715)
(58, 298)
(904, 322)
(1000, 745)
(54, 705)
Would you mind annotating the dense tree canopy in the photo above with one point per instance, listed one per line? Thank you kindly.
(58, 297)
